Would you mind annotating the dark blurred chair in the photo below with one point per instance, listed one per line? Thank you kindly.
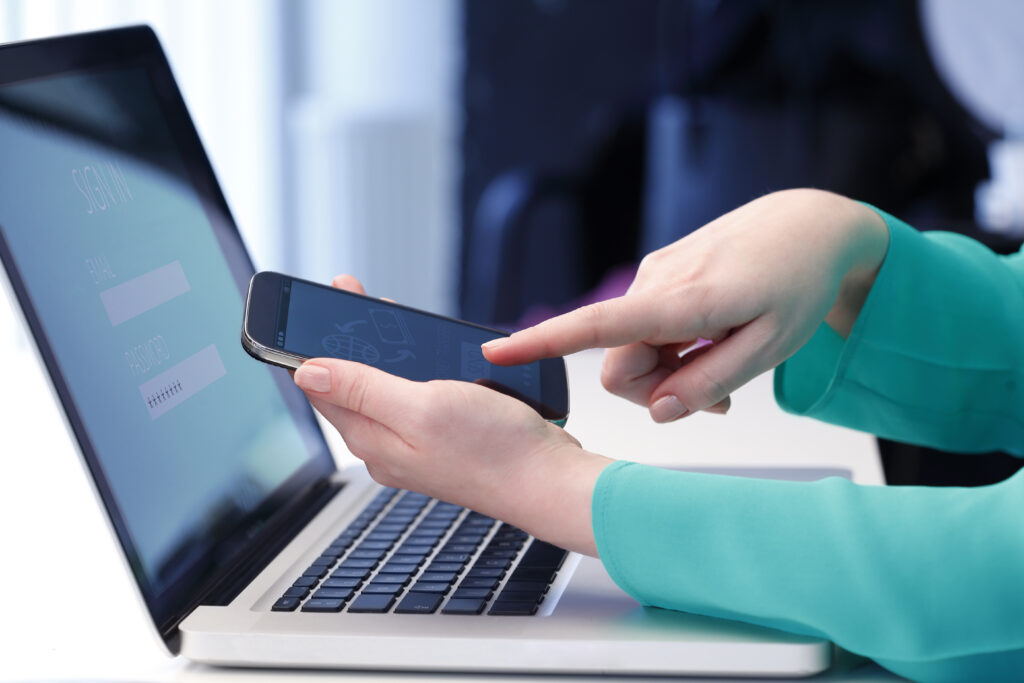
(518, 209)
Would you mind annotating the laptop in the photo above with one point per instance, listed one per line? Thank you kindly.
(247, 544)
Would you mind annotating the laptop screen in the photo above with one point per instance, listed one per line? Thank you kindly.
(119, 245)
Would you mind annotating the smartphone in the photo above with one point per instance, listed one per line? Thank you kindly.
(288, 321)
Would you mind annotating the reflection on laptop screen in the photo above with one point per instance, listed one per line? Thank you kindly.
(141, 310)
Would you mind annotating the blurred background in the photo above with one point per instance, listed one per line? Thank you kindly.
(503, 160)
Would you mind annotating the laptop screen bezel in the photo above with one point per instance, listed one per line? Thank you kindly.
(133, 47)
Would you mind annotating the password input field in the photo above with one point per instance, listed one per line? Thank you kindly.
(144, 293)
(174, 386)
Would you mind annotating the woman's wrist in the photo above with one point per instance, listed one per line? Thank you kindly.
(553, 498)
(867, 246)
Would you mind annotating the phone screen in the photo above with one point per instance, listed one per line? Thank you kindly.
(318, 321)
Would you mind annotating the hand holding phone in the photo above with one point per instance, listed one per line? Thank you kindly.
(288, 321)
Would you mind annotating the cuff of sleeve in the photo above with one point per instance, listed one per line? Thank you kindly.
(807, 381)
(606, 522)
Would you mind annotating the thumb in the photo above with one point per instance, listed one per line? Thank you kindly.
(357, 387)
(711, 376)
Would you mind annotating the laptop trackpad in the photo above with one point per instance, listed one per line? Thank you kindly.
(591, 591)
(593, 597)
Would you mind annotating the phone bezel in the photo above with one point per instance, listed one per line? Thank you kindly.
(260, 323)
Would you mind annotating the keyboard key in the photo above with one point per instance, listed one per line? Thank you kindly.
(416, 548)
(464, 606)
(439, 520)
(401, 515)
(400, 579)
(501, 562)
(488, 583)
(342, 583)
(305, 581)
(296, 592)
(375, 545)
(286, 604)
(323, 605)
(367, 554)
(504, 545)
(409, 558)
(515, 596)
(419, 603)
(399, 518)
(441, 514)
(438, 577)
(472, 594)
(474, 518)
(426, 587)
(500, 608)
(373, 602)
(412, 500)
(360, 563)
(452, 557)
(333, 594)
(350, 573)
(526, 586)
(499, 553)
(378, 587)
(316, 571)
(452, 548)
(399, 568)
(541, 554)
(486, 573)
(324, 560)
(482, 522)
(533, 574)
(469, 539)
(445, 567)
(425, 536)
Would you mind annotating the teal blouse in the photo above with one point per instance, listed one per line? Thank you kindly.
(922, 580)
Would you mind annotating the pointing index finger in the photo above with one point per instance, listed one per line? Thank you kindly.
(615, 322)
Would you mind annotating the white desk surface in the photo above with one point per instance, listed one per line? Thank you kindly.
(69, 611)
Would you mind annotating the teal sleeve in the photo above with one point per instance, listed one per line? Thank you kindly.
(936, 356)
(923, 580)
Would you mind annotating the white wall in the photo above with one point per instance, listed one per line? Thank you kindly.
(373, 133)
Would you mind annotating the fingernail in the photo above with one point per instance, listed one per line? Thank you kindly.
(717, 409)
(667, 408)
(495, 343)
(313, 378)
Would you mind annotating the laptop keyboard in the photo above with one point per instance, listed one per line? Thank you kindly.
(407, 553)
